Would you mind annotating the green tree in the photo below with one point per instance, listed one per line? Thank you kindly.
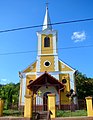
(84, 85)
(10, 94)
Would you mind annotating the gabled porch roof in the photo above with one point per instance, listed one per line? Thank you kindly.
(45, 80)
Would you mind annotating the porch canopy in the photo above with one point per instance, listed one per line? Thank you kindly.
(45, 80)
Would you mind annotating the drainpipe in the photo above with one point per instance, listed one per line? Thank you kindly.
(60, 97)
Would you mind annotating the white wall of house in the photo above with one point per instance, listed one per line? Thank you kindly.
(43, 89)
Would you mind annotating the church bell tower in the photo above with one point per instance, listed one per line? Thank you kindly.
(47, 56)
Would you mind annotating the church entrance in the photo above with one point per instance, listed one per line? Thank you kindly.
(45, 101)
(41, 87)
(40, 102)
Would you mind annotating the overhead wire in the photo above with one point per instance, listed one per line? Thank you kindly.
(36, 26)
(25, 52)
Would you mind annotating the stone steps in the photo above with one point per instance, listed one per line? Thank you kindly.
(41, 115)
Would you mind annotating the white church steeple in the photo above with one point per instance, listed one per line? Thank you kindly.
(47, 22)
(47, 57)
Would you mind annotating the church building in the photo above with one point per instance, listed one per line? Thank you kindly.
(48, 74)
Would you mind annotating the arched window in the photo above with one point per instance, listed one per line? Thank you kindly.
(46, 42)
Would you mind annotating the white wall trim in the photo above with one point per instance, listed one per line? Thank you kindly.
(48, 54)
(38, 64)
(56, 63)
(47, 32)
(54, 45)
(55, 76)
(39, 43)
(52, 73)
(67, 72)
(23, 90)
(30, 73)
(72, 82)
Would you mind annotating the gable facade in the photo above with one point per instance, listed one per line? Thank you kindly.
(47, 60)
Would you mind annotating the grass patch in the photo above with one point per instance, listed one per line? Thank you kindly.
(12, 113)
(59, 113)
(62, 113)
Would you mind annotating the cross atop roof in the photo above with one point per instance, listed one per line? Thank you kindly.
(47, 4)
(47, 22)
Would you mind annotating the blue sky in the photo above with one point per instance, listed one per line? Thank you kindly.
(21, 13)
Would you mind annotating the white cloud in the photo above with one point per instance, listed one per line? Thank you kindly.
(78, 36)
(3, 81)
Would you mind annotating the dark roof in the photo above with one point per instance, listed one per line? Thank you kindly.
(45, 80)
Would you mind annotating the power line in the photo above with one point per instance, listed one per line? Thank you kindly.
(74, 47)
(25, 52)
(36, 26)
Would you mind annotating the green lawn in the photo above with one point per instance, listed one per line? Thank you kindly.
(61, 113)
(12, 113)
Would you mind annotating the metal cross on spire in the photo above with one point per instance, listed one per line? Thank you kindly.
(47, 4)
(47, 22)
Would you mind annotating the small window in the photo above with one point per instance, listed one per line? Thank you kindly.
(64, 81)
(30, 81)
(46, 41)
(47, 63)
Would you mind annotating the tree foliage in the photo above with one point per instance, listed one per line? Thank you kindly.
(84, 85)
(10, 94)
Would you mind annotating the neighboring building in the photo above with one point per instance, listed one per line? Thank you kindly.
(48, 74)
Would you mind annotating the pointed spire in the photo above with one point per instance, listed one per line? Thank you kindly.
(47, 22)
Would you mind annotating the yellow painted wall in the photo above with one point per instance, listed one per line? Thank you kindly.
(65, 76)
(64, 98)
(1, 107)
(47, 50)
(63, 67)
(31, 77)
(89, 106)
(49, 68)
(52, 104)
(28, 107)
(29, 68)
(66, 68)
(28, 78)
